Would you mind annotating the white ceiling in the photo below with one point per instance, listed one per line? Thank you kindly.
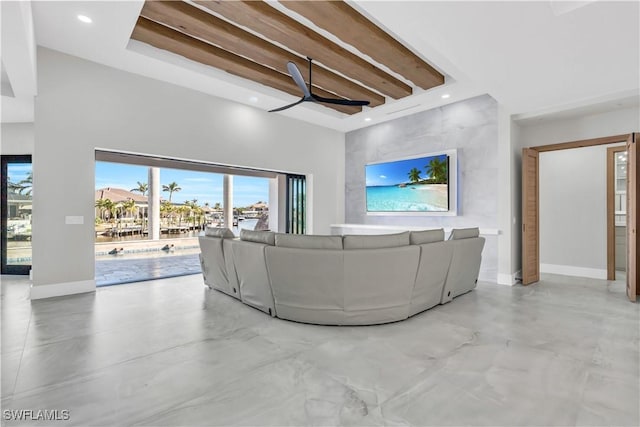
(536, 58)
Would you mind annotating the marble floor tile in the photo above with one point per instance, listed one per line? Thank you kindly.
(9, 372)
(170, 352)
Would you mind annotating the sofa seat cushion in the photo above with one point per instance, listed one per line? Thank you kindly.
(258, 236)
(302, 241)
(464, 233)
(426, 236)
(222, 233)
(376, 241)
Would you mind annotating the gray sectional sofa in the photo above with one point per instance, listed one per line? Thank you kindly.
(342, 280)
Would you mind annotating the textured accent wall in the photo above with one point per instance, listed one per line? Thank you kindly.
(471, 127)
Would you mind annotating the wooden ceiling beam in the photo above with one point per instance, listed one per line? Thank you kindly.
(197, 23)
(346, 23)
(166, 38)
(279, 27)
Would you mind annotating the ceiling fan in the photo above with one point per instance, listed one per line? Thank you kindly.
(308, 96)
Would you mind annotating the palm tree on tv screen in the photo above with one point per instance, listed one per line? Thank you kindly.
(414, 175)
(437, 169)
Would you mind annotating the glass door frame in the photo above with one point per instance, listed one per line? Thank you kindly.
(5, 161)
(296, 215)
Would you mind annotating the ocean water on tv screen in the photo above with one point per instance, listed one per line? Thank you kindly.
(412, 198)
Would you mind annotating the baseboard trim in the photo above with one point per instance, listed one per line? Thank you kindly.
(508, 279)
(570, 270)
(487, 276)
(61, 289)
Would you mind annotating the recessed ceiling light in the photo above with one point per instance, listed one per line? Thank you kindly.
(367, 119)
(445, 96)
(253, 99)
(85, 19)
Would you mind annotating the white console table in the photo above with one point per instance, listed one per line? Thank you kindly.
(339, 229)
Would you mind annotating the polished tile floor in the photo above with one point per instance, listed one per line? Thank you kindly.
(171, 352)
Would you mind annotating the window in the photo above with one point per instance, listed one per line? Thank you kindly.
(17, 179)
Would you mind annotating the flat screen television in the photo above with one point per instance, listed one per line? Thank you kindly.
(412, 185)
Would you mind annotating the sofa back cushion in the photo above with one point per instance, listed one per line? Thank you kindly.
(222, 233)
(464, 233)
(464, 268)
(426, 236)
(213, 264)
(258, 236)
(376, 241)
(303, 241)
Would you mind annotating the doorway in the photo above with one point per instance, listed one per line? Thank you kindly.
(530, 206)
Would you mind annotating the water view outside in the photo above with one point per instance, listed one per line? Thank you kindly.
(190, 201)
(19, 191)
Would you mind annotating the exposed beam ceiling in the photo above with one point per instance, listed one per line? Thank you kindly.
(281, 28)
(344, 22)
(202, 25)
(167, 38)
(355, 59)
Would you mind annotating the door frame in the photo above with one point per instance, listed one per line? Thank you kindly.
(5, 160)
(633, 205)
(611, 192)
(564, 146)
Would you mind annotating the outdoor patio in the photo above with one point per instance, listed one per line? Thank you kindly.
(154, 266)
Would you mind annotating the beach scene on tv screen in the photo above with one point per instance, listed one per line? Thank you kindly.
(412, 185)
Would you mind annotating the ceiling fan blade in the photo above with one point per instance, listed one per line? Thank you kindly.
(306, 91)
(287, 106)
(339, 101)
(297, 77)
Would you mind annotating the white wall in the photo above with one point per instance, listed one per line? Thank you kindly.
(16, 138)
(615, 122)
(516, 201)
(508, 216)
(82, 106)
(573, 212)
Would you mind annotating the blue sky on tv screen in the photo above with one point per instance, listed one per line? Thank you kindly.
(393, 173)
(202, 186)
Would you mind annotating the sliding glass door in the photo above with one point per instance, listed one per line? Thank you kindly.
(16, 208)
